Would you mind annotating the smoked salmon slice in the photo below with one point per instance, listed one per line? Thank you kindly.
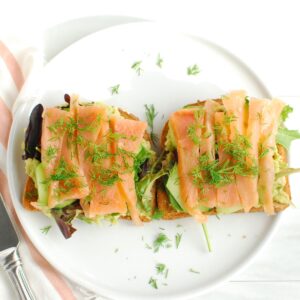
(208, 194)
(269, 127)
(94, 151)
(241, 124)
(184, 124)
(227, 196)
(126, 144)
(248, 188)
(60, 160)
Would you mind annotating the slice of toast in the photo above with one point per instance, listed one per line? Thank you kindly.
(30, 192)
(169, 213)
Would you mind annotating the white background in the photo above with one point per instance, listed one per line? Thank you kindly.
(264, 34)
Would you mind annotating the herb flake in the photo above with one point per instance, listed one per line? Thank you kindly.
(153, 283)
(178, 239)
(115, 89)
(161, 241)
(137, 67)
(159, 61)
(160, 268)
(193, 70)
(45, 229)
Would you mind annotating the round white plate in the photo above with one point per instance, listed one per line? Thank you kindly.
(90, 67)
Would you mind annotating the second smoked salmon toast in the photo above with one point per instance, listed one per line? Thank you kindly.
(225, 156)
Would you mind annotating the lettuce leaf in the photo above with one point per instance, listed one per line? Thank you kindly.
(285, 112)
(285, 137)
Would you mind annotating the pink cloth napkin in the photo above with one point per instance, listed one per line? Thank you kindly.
(19, 63)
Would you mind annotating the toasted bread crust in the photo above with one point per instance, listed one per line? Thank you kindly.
(169, 213)
(31, 189)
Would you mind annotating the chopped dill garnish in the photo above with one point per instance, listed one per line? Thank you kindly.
(194, 130)
(137, 67)
(51, 152)
(229, 119)
(153, 283)
(212, 172)
(178, 239)
(194, 271)
(193, 70)
(192, 134)
(45, 229)
(160, 241)
(63, 172)
(148, 246)
(160, 268)
(115, 89)
(106, 177)
(159, 61)
(243, 162)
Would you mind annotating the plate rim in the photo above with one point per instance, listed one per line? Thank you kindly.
(104, 292)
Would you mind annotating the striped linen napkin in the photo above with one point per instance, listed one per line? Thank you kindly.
(19, 64)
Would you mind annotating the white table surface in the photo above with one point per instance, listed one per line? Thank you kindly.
(264, 35)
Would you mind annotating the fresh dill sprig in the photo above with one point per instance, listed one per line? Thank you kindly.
(137, 67)
(153, 283)
(159, 61)
(243, 163)
(63, 172)
(178, 239)
(45, 229)
(161, 241)
(193, 70)
(115, 89)
(194, 271)
(151, 114)
(212, 172)
(206, 237)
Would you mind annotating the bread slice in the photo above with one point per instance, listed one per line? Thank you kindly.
(30, 191)
(169, 213)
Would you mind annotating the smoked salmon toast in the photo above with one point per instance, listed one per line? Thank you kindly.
(88, 161)
(225, 156)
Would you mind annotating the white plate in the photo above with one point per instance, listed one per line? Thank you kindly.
(89, 67)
